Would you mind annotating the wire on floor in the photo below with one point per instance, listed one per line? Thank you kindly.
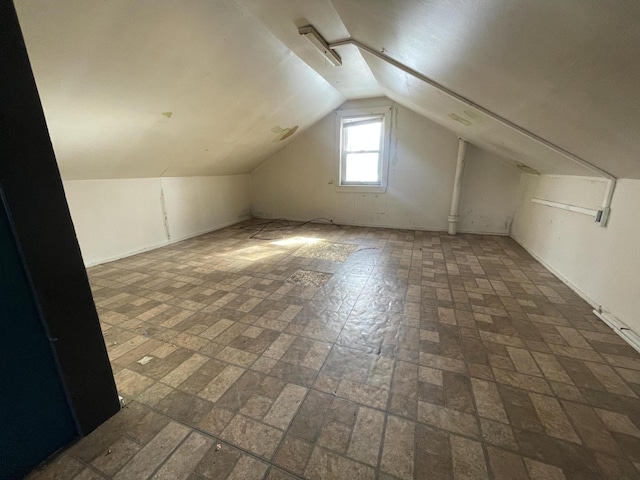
(282, 224)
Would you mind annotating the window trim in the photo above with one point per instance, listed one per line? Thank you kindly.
(385, 139)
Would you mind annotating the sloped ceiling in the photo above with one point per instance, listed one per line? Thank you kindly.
(143, 89)
(568, 71)
(229, 72)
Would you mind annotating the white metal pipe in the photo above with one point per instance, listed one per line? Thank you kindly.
(467, 102)
(565, 206)
(606, 204)
(608, 195)
(620, 328)
(603, 214)
(457, 187)
(320, 44)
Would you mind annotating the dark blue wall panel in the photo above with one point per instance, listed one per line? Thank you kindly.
(35, 417)
(49, 330)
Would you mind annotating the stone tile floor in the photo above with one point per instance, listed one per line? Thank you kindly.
(410, 355)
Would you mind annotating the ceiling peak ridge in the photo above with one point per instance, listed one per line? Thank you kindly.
(462, 99)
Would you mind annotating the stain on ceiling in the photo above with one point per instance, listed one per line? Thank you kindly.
(134, 89)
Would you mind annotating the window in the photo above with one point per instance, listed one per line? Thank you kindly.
(363, 149)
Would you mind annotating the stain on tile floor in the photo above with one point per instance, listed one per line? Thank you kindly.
(415, 356)
(335, 252)
(308, 278)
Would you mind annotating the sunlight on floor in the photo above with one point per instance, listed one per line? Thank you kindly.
(297, 241)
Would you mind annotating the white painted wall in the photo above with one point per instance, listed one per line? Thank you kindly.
(231, 70)
(601, 264)
(298, 182)
(114, 218)
(489, 193)
(197, 205)
(117, 218)
(141, 90)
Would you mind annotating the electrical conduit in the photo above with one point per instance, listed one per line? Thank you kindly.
(457, 187)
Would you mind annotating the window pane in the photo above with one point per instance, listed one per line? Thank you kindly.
(361, 167)
(363, 137)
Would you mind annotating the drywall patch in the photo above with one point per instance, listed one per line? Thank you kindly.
(527, 169)
(283, 133)
(309, 278)
(473, 114)
(460, 119)
(165, 217)
(394, 132)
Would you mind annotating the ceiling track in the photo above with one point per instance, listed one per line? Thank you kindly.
(602, 215)
(469, 103)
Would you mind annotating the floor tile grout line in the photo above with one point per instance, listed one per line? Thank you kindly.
(305, 337)
(52, 460)
(403, 417)
(383, 435)
(333, 344)
(114, 474)
(476, 414)
(376, 408)
(580, 436)
(195, 428)
(269, 461)
(484, 444)
(495, 274)
(166, 459)
(286, 431)
(273, 466)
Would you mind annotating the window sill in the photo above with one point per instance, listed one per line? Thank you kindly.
(361, 188)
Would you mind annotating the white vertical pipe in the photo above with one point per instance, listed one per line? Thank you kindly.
(457, 186)
(532, 136)
(165, 217)
(620, 328)
(603, 217)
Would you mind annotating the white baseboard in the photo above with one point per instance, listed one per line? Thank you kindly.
(164, 244)
(209, 230)
(474, 232)
(628, 335)
(395, 227)
(594, 304)
(562, 278)
(125, 255)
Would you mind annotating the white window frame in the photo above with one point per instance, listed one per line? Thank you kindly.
(383, 160)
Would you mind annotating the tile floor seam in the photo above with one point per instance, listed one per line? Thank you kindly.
(386, 418)
(88, 465)
(483, 443)
(207, 434)
(581, 436)
(168, 456)
(286, 432)
(387, 413)
(289, 472)
(369, 315)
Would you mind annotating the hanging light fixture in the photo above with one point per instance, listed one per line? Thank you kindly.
(320, 44)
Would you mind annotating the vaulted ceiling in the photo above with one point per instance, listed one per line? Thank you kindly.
(144, 89)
